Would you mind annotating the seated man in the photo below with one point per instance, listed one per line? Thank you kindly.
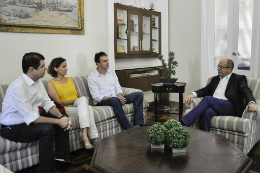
(224, 95)
(20, 117)
(106, 90)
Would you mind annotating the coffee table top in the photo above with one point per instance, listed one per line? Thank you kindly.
(129, 151)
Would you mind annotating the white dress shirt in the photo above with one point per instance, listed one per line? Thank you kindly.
(101, 86)
(221, 88)
(22, 101)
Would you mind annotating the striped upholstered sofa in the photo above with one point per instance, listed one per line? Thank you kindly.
(17, 156)
(243, 132)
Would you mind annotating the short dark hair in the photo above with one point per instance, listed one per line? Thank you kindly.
(31, 59)
(230, 63)
(98, 55)
(56, 62)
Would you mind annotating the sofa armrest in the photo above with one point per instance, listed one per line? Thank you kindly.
(194, 102)
(127, 91)
(252, 115)
(231, 123)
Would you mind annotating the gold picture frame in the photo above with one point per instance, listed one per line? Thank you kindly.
(77, 28)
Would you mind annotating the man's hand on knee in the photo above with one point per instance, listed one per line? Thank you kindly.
(189, 98)
(122, 99)
(251, 107)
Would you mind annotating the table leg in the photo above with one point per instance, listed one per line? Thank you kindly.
(180, 106)
(155, 105)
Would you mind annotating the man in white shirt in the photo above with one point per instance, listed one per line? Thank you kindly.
(224, 95)
(21, 121)
(106, 90)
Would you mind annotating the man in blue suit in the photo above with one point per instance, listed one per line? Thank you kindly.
(224, 95)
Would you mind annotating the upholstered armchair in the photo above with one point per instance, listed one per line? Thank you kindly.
(243, 132)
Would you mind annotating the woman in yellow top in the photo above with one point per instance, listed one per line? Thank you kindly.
(64, 91)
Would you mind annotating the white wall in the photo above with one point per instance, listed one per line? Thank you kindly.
(185, 41)
(79, 50)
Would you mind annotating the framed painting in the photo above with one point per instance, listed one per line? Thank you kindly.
(42, 16)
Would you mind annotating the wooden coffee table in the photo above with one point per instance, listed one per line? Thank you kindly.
(129, 151)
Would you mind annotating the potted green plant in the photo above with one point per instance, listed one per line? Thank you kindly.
(169, 68)
(156, 135)
(177, 137)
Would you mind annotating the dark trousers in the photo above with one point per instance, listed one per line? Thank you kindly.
(46, 134)
(136, 98)
(207, 108)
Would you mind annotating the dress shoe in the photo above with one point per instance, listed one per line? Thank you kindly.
(68, 161)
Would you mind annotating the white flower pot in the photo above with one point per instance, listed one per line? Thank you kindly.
(182, 150)
(155, 146)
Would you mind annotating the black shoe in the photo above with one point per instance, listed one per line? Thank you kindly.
(68, 161)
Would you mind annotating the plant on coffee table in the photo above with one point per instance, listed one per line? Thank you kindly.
(156, 134)
(176, 137)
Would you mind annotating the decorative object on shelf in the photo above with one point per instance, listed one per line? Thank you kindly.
(53, 19)
(169, 69)
(127, 32)
(156, 135)
(177, 137)
(132, 29)
(121, 49)
(118, 1)
(153, 22)
(152, 48)
(131, 2)
(151, 6)
(120, 18)
(119, 33)
(142, 2)
(135, 48)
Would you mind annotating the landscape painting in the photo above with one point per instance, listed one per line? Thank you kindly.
(54, 14)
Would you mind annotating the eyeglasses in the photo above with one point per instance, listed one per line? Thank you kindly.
(221, 67)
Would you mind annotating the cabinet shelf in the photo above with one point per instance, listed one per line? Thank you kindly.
(121, 39)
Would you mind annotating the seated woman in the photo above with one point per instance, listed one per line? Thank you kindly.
(64, 91)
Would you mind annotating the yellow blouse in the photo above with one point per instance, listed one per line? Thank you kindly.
(66, 91)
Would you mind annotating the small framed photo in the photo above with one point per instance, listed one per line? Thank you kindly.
(153, 22)
(135, 48)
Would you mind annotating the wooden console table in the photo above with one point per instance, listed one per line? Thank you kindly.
(177, 87)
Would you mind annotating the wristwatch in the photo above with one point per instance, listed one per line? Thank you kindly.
(63, 116)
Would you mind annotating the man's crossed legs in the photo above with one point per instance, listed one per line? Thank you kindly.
(207, 108)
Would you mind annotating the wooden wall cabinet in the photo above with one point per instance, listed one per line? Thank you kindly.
(137, 32)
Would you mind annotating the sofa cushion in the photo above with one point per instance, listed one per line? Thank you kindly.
(9, 146)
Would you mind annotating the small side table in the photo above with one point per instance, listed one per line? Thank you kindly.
(177, 87)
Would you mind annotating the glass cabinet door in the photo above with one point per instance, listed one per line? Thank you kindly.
(134, 45)
(146, 33)
(155, 34)
(121, 31)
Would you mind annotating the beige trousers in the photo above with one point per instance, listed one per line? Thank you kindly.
(85, 114)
